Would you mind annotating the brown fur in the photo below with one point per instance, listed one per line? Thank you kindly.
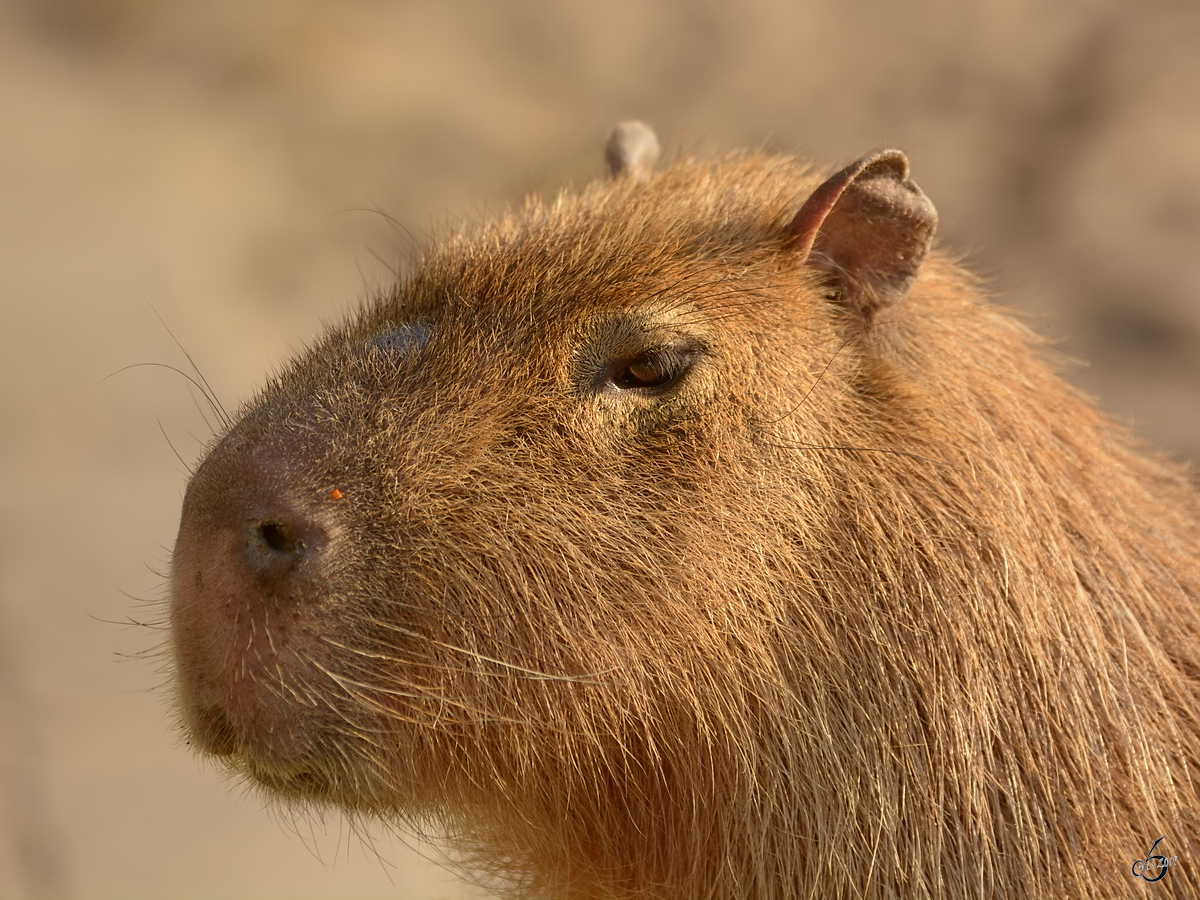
(861, 606)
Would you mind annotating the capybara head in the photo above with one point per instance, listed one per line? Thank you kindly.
(704, 534)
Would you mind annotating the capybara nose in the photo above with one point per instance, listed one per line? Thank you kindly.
(249, 509)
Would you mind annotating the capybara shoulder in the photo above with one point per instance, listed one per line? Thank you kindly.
(705, 534)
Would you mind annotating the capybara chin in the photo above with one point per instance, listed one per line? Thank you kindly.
(705, 534)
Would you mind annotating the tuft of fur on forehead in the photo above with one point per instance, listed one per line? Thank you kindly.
(857, 607)
(575, 249)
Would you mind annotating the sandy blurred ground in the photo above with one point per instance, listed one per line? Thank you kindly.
(221, 166)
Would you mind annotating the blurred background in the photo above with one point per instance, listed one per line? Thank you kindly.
(223, 178)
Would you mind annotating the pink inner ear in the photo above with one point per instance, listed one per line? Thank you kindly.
(816, 208)
(870, 227)
(808, 221)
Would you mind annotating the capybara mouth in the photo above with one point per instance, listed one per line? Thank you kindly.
(297, 775)
(299, 783)
(212, 732)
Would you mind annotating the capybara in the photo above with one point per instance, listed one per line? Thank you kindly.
(705, 534)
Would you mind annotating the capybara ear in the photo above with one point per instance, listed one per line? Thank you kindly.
(870, 227)
(632, 151)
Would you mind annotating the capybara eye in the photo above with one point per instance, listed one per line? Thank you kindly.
(654, 370)
(651, 370)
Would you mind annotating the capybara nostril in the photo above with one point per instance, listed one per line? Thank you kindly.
(277, 543)
(280, 538)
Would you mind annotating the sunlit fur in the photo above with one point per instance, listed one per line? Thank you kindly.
(855, 608)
